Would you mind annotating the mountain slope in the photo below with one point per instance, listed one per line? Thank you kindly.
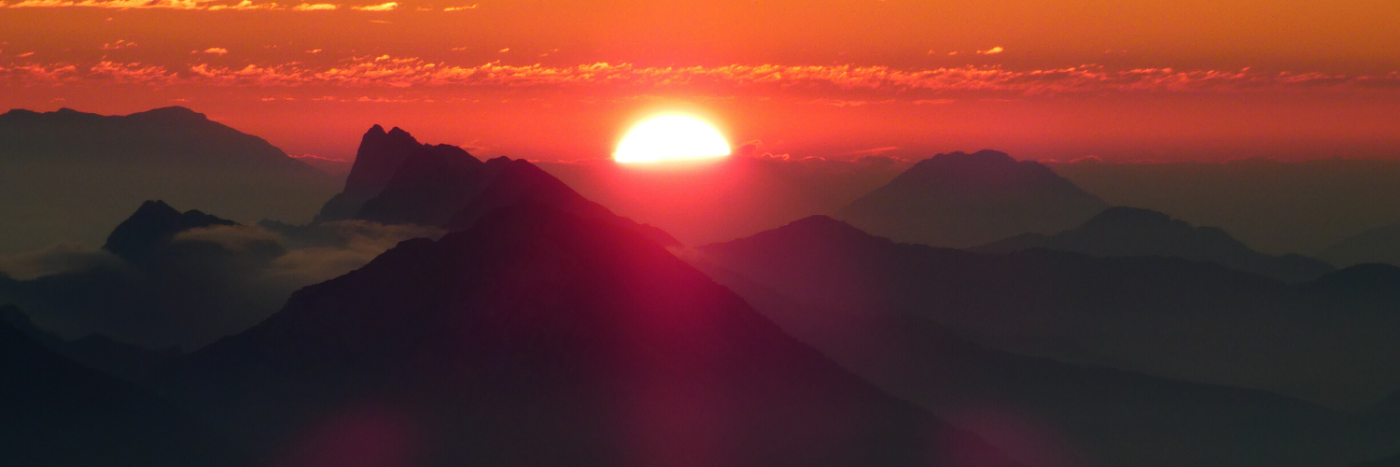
(540, 338)
(1125, 231)
(56, 413)
(445, 186)
(1048, 413)
(1329, 340)
(961, 200)
(70, 175)
(1377, 245)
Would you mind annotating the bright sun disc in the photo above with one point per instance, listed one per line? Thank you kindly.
(671, 137)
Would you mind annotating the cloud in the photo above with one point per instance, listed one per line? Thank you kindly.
(118, 45)
(462, 8)
(189, 5)
(216, 51)
(992, 51)
(56, 259)
(314, 7)
(380, 7)
(827, 84)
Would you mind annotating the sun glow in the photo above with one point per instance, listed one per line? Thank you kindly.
(671, 137)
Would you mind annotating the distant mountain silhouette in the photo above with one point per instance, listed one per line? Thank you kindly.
(152, 225)
(71, 175)
(58, 413)
(537, 337)
(961, 200)
(1163, 316)
(400, 181)
(377, 163)
(1272, 206)
(1378, 245)
(1125, 231)
(746, 193)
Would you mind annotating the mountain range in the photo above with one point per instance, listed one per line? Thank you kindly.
(538, 337)
(71, 175)
(1275, 207)
(1125, 231)
(1328, 340)
(962, 200)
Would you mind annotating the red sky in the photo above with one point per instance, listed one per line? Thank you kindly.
(552, 80)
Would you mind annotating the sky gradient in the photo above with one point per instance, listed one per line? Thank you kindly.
(563, 80)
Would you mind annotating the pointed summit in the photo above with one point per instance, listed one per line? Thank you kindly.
(960, 200)
(379, 160)
(152, 224)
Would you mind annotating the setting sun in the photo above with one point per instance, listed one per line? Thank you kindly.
(671, 137)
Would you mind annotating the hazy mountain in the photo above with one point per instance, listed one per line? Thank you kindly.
(399, 181)
(1275, 207)
(96, 351)
(1378, 245)
(1331, 340)
(540, 338)
(168, 278)
(58, 413)
(1047, 413)
(152, 225)
(737, 196)
(68, 175)
(962, 200)
(1125, 231)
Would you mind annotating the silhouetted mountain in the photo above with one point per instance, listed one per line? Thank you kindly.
(1047, 413)
(1125, 231)
(152, 225)
(57, 413)
(540, 338)
(167, 291)
(378, 161)
(96, 351)
(1378, 245)
(1164, 316)
(1272, 206)
(962, 200)
(445, 186)
(72, 175)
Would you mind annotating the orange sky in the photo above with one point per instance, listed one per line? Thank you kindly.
(1132, 80)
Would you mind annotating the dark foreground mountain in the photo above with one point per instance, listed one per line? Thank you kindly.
(1377, 245)
(54, 412)
(1125, 231)
(1331, 340)
(540, 338)
(397, 180)
(96, 351)
(70, 175)
(961, 200)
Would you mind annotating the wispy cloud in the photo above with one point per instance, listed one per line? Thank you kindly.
(828, 84)
(216, 51)
(315, 7)
(380, 7)
(462, 8)
(992, 51)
